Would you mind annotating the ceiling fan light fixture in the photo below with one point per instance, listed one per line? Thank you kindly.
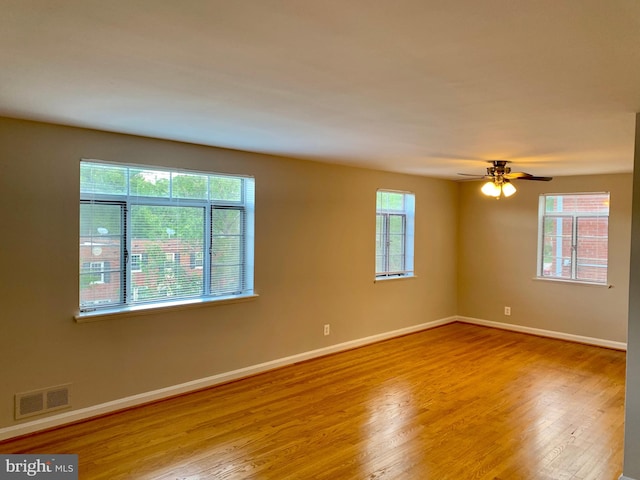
(508, 189)
(491, 189)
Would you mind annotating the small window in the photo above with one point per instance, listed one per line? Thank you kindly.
(136, 262)
(573, 241)
(395, 218)
(96, 272)
(197, 260)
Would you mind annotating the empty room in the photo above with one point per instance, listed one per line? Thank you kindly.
(320, 240)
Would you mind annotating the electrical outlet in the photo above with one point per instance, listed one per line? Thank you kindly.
(507, 311)
(327, 329)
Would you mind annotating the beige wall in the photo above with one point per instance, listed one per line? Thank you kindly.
(497, 261)
(315, 227)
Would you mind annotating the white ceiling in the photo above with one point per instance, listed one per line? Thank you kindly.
(430, 87)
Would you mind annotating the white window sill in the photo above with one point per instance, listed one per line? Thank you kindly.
(398, 277)
(160, 307)
(573, 282)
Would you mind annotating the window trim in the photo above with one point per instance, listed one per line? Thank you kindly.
(575, 216)
(573, 282)
(128, 303)
(154, 308)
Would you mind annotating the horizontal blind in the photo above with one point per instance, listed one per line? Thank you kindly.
(102, 241)
(227, 265)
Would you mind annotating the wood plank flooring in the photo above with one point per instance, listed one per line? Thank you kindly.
(455, 402)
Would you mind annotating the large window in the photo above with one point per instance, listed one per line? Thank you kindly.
(151, 235)
(573, 241)
(395, 212)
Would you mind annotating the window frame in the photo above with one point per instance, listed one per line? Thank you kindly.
(129, 296)
(384, 236)
(574, 258)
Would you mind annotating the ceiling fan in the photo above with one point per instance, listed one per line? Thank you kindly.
(499, 178)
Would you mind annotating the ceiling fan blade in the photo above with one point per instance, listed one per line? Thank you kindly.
(475, 175)
(540, 179)
(513, 175)
(526, 176)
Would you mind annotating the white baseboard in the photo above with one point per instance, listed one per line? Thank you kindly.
(134, 400)
(599, 342)
(622, 477)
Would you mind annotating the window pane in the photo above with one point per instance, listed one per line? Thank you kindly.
(396, 244)
(149, 183)
(106, 179)
(578, 203)
(381, 243)
(396, 263)
(189, 185)
(226, 280)
(227, 221)
(390, 201)
(557, 235)
(166, 238)
(226, 188)
(592, 249)
(396, 224)
(226, 251)
(101, 249)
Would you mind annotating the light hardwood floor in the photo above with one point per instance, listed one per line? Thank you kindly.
(455, 402)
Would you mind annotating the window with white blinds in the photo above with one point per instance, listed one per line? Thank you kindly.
(152, 235)
(395, 218)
